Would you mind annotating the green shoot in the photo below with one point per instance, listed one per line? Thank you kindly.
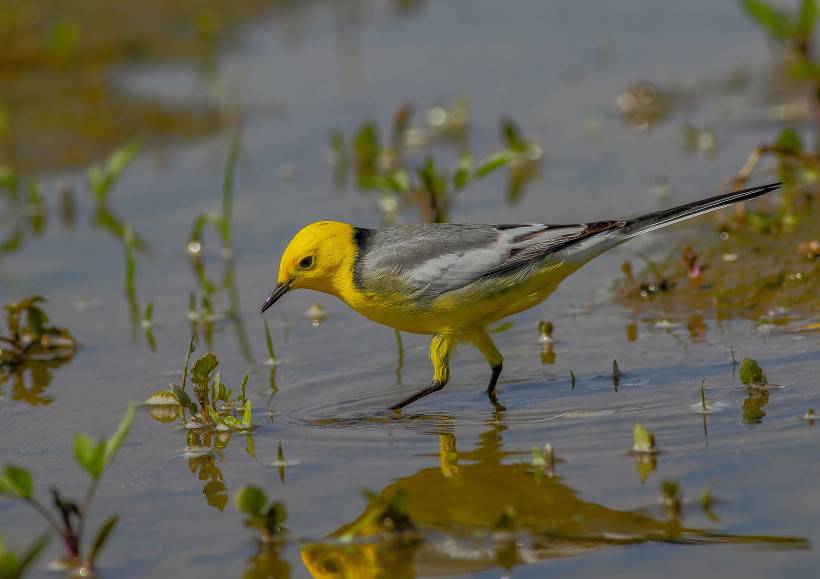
(94, 457)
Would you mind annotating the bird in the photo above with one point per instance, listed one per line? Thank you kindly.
(451, 280)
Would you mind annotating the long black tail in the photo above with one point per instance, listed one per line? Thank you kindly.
(658, 219)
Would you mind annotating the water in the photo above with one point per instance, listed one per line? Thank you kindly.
(297, 71)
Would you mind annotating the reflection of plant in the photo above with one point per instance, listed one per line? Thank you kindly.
(267, 519)
(94, 457)
(30, 337)
(204, 465)
(14, 566)
(386, 515)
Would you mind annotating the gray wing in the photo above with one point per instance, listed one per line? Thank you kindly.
(431, 259)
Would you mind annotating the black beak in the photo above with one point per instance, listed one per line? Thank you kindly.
(280, 290)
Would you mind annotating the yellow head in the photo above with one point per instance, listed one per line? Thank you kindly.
(320, 257)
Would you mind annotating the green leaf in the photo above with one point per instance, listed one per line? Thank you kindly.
(17, 481)
(112, 445)
(102, 536)
(247, 416)
(492, 163)
(9, 565)
(751, 374)
(244, 386)
(774, 21)
(462, 175)
(188, 352)
(201, 372)
(163, 398)
(230, 421)
(790, 140)
(89, 454)
(644, 441)
(250, 500)
(806, 18)
(269, 342)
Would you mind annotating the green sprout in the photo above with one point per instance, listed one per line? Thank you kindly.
(267, 519)
(94, 457)
(221, 221)
(751, 374)
(269, 343)
(643, 440)
(101, 179)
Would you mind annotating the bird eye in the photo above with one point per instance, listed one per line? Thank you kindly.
(306, 262)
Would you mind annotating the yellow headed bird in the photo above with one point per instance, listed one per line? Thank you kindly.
(452, 280)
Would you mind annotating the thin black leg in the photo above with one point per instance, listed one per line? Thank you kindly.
(434, 387)
(491, 388)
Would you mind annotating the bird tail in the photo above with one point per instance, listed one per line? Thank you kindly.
(658, 219)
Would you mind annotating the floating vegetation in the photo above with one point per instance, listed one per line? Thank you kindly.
(215, 406)
(94, 457)
(30, 337)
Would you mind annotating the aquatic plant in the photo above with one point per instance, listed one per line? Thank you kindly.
(221, 221)
(214, 405)
(94, 457)
(30, 337)
(751, 374)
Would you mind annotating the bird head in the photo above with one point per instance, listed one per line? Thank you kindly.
(315, 258)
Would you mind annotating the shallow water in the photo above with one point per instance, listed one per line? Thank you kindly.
(299, 71)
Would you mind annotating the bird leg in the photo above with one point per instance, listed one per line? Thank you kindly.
(485, 345)
(440, 347)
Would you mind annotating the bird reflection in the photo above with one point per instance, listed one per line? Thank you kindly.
(487, 508)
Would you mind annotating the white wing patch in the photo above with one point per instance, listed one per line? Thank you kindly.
(457, 269)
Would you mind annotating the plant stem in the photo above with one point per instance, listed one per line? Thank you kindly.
(89, 496)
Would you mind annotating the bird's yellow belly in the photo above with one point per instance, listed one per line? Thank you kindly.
(453, 312)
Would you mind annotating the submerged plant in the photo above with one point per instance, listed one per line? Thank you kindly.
(30, 337)
(94, 457)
